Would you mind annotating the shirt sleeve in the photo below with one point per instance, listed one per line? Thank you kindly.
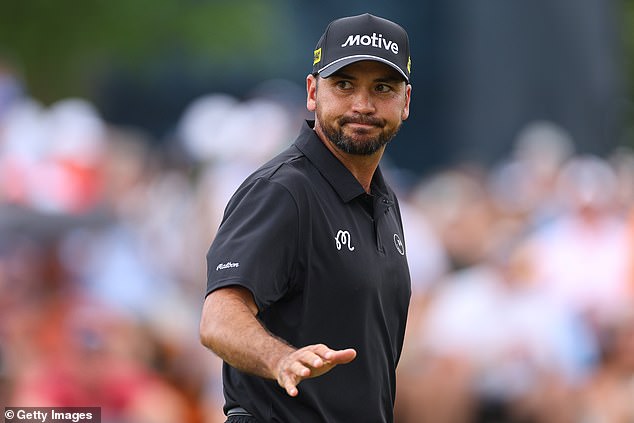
(256, 244)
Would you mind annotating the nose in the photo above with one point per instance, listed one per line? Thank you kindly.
(363, 102)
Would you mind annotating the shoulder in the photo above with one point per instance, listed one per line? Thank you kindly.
(281, 180)
(290, 170)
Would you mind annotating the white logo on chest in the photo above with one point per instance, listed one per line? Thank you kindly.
(343, 238)
(399, 244)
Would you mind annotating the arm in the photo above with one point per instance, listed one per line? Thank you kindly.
(229, 328)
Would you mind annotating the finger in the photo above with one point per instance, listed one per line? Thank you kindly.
(321, 350)
(291, 387)
(308, 357)
(299, 369)
(289, 379)
(310, 361)
(341, 356)
(330, 356)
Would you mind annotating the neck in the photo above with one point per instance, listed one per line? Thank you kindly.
(361, 167)
(362, 170)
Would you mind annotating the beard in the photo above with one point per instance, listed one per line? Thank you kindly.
(366, 146)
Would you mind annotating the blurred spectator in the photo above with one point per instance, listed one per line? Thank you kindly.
(90, 356)
(622, 161)
(583, 256)
(492, 343)
(608, 396)
(217, 132)
(523, 275)
(457, 206)
(50, 158)
(11, 88)
(523, 186)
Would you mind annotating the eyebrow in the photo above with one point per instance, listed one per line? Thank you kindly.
(387, 79)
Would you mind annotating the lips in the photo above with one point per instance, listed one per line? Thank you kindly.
(361, 120)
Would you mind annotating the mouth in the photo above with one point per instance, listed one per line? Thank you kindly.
(355, 126)
(361, 122)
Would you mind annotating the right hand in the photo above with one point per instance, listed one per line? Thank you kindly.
(308, 362)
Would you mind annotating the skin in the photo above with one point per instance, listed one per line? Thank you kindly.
(364, 103)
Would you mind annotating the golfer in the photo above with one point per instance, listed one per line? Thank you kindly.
(308, 284)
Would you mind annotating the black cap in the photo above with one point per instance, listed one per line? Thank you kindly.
(362, 37)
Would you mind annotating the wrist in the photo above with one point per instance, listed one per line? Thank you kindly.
(278, 359)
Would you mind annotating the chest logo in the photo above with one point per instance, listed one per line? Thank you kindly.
(399, 244)
(343, 238)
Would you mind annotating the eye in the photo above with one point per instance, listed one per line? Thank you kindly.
(344, 84)
(383, 88)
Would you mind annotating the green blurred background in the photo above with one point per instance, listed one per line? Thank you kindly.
(481, 70)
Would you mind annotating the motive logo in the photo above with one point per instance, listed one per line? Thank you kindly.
(371, 40)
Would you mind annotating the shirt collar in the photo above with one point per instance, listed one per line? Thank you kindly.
(339, 177)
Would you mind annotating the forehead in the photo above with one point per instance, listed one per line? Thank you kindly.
(369, 68)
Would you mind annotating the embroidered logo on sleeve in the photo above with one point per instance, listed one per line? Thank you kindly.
(227, 265)
(343, 238)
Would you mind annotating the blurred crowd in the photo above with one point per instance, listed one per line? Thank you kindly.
(523, 272)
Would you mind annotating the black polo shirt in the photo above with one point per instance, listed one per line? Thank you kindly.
(326, 264)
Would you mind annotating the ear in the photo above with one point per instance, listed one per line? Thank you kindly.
(408, 94)
(311, 92)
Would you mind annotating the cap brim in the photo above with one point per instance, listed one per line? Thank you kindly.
(333, 67)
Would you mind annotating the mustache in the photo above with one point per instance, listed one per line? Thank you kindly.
(362, 119)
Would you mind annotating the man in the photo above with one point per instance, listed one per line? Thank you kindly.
(307, 276)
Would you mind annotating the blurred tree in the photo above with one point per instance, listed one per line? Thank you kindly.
(61, 46)
(481, 69)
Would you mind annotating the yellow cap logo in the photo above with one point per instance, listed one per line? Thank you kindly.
(317, 56)
(409, 65)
